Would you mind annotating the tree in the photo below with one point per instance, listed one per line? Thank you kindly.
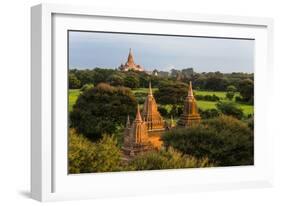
(246, 89)
(230, 92)
(74, 82)
(226, 141)
(87, 157)
(230, 108)
(171, 93)
(131, 82)
(102, 110)
(167, 159)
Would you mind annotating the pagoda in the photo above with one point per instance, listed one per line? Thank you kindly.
(130, 64)
(190, 114)
(150, 113)
(136, 136)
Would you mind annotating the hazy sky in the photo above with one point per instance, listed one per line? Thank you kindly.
(109, 50)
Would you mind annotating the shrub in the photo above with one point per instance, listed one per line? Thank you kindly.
(209, 113)
(167, 159)
(230, 108)
(87, 157)
(212, 98)
(224, 140)
(86, 87)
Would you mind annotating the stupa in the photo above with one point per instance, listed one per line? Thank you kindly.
(130, 64)
(136, 136)
(190, 114)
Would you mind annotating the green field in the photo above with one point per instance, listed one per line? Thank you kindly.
(72, 98)
(247, 109)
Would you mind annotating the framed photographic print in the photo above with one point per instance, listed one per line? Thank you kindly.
(137, 102)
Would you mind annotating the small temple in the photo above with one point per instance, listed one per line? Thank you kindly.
(190, 114)
(130, 64)
(136, 136)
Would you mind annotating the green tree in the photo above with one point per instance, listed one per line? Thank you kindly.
(131, 82)
(230, 92)
(230, 108)
(224, 140)
(74, 82)
(102, 110)
(87, 157)
(246, 89)
(171, 93)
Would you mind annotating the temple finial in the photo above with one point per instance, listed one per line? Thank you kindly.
(128, 124)
(150, 90)
(190, 91)
(138, 116)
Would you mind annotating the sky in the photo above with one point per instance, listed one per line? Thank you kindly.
(109, 50)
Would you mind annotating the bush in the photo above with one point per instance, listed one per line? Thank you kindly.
(224, 140)
(209, 113)
(102, 110)
(212, 98)
(87, 157)
(86, 87)
(167, 159)
(230, 108)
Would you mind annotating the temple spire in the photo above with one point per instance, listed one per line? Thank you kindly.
(150, 90)
(138, 116)
(128, 124)
(190, 91)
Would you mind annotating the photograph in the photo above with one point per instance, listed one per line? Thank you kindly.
(140, 101)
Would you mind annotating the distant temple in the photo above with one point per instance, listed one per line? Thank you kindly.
(190, 114)
(130, 64)
(145, 132)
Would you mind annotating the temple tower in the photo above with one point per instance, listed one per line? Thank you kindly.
(150, 113)
(190, 114)
(136, 137)
(130, 64)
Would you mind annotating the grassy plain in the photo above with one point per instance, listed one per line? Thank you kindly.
(247, 109)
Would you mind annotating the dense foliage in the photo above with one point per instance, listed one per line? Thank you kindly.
(230, 108)
(167, 159)
(224, 140)
(102, 110)
(87, 157)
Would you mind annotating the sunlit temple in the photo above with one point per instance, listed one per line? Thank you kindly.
(130, 64)
(190, 114)
(145, 132)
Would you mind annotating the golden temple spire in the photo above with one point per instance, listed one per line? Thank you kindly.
(130, 58)
(150, 90)
(138, 116)
(190, 114)
(190, 91)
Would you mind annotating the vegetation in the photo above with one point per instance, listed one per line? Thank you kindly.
(100, 100)
(87, 157)
(167, 159)
(224, 140)
(102, 110)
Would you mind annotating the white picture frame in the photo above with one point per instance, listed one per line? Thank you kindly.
(49, 178)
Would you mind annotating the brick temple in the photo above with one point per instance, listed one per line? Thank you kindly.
(130, 64)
